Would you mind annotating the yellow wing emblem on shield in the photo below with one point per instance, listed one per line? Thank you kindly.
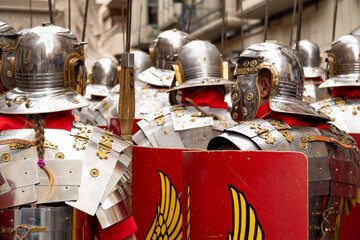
(167, 224)
(246, 225)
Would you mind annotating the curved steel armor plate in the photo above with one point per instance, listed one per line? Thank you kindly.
(331, 166)
(201, 65)
(49, 66)
(88, 163)
(42, 222)
(8, 41)
(344, 113)
(287, 77)
(312, 93)
(157, 77)
(343, 62)
(182, 127)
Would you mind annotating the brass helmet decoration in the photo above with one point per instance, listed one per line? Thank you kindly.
(8, 39)
(287, 82)
(50, 73)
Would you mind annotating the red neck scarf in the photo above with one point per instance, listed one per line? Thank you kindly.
(56, 120)
(351, 92)
(265, 112)
(212, 96)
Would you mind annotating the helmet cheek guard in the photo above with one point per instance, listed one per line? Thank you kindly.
(75, 73)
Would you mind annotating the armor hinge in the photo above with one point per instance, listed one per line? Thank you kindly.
(263, 133)
(325, 107)
(283, 129)
(340, 103)
(81, 138)
(160, 118)
(104, 147)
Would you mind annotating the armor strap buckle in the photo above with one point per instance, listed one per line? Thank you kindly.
(26, 227)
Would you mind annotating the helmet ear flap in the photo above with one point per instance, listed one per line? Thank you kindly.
(179, 74)
(225, 70)
(152, 55)
(331, 65)
(75, 75)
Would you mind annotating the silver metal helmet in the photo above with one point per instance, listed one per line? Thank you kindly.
(343, 62)
(103, 78)
(167, 45)
(309, 54)
(50, 73)
(8, 39)
(142, 62)
(287, 82)
(199, 64)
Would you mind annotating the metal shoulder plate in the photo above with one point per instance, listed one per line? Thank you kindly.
(181, 127)
(344, 113)
(87, 163)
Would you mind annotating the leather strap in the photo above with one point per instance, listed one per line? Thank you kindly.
(329, 140)
(20, 141)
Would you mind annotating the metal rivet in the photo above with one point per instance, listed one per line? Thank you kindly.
(336, 169)
(67, 218)
(23, 190)
(12, 220)
(249, 96)
(94, 172)
(234, 115)
(27, 61)
(235, 96)
(33, 219)
(317, 153)
(66, 187)
(9, 73)
(26, 172)
(5, 157)
(204, 58)
(70, 171)
(253, 63)
(165, 131)
(59, 155)
(320, 168)
(246, 63)
(282, 106)
(74, 100)
(354, 113)
(350, 172)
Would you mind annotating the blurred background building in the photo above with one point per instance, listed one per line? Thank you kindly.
(105, 32)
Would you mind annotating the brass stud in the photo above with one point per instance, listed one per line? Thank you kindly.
(282, 106)
(253, 63)
(204, 59)
(9, 73)
(249, 96)
(235, 96)
(5, 157)
(22, 190)
(354, 113)
(59, 155)
(67, 218)
(74, 100)
(317, 153)
(66, 187)
(165, 131)
(26, 173)
(320, 169)
(27, 61)
(246, 63)
(336, 169)
(94, 172)
(33, 219)
(226, 124)
(11, 220)
(234, 115)
(70, 171)
(350, 172)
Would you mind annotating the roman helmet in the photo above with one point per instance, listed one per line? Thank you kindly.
(343, 62)
(199, 64)
(8, 39)
(50, 73)
(309, 54)
(166, 47)
(103, 78)
(287, 82)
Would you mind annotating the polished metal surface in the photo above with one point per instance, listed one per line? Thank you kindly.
(87, 163)
(287, 77)
(104, 72)
(312, 92)
(157, 77)
(200, 65)
(49, 67)
(309, 54)
(343, 62)
(343, 113)
(181, 127)
(8, 41)
(115, 214)
(142, 62)
(49, 222)
(167, 44)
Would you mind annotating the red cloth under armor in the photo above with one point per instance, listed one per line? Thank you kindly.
(265, 112)
(212, 96)
(64, 120)
(351, 92)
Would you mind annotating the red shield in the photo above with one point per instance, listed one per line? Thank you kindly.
(245, 195)
(157, 192)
